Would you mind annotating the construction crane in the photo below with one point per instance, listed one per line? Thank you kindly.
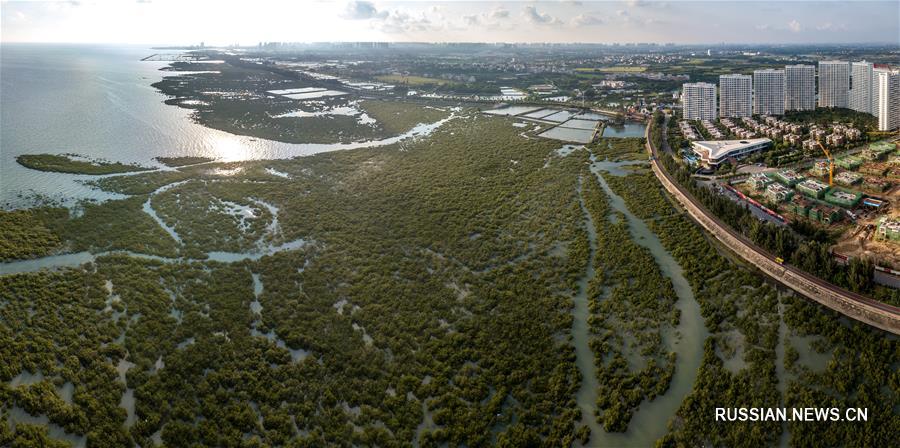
(830, 163)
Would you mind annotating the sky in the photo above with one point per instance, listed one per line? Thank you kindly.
(227, 22)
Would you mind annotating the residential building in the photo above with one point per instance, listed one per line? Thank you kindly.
(800, 206)
(834, 83)
(812, 187)
(789, 177)
(735, 96)
(861, 86)
(843, 198)
(889, 229)
(698, 100)
(876, 184)
(887, 85)
(759, 181)
(776, 192)
(768, 92)
(848, 162)
(848, 178)
(799, 87)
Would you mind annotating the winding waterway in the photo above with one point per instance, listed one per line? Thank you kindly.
(650, 422)
(581, 330)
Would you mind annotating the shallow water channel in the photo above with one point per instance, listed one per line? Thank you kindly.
(650, 422)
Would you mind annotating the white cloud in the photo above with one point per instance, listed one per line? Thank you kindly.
(401, 22)
(532, 15)
(363, 10)
(794, 26)
(828, 26)
(586, 20)
(499, 13)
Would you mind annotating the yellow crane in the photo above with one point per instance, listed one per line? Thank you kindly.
(830, 163)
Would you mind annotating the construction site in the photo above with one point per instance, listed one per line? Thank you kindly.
(850, 196)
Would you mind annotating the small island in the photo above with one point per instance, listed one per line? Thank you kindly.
(183, 160)
(70, 163)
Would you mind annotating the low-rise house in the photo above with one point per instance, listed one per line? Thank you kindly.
(759, 181)
(800, 206)
(812, 188)
(888, 229)
(848, 178)
(843, 198)
(776, 192)
(835, 139)
(874, 168)
(876, 184)
(848, 162)
(788, 177)
(824, 213)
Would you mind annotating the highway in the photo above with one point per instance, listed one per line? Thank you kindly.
(848, 303)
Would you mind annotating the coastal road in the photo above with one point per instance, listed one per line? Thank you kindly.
(848, 303)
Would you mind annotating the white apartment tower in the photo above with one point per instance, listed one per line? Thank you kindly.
(698, 101)
(834, 84)
(768, 92)
(861, 86)
(887, 85)
(735, 96)
(799, 87)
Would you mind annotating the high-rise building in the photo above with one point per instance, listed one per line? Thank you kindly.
(887, 84)
(834, 84)
(698, 101)
(861, 86)
(875, 90)
(799, 87)
(768, 92)
(735, 96)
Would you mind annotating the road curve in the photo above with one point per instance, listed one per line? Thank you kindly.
(848, 303)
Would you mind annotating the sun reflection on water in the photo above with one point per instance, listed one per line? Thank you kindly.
(229, 148)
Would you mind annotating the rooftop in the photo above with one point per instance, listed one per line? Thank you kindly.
(720, 148)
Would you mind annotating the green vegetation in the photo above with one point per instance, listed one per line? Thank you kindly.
(617, 69)
(456, 245)
(397, 117)
(629, 319)
(235, 100)
(432, 306)
(412, 80)
(183, 160)
(744, 325)
(65, 163)
(23, 234)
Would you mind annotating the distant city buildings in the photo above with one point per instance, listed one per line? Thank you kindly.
(861, 86)
(834, 84)
(699, 101)
(735, 96)
(799, 87)
(768, 92)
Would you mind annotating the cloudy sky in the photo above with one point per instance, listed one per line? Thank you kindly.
(248, 22)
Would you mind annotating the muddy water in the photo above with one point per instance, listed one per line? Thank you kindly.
(651, 419)
(584, 357)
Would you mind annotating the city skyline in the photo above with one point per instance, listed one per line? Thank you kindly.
(679, 22)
